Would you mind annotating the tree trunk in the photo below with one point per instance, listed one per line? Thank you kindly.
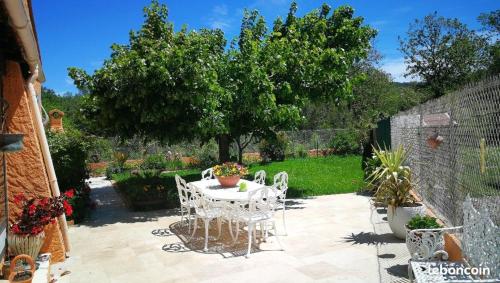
(240, 153)
(224, 143)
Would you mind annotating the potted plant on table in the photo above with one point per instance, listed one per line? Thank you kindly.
(394, 185)
(229, 173)
(27, 234)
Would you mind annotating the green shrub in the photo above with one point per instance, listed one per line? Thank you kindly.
(346, 142)
(423, 222)
(148, 190)
(207, 155)
(69, 153)
(118, 164)
(274, 148)
(100, 149)
(114, 168)
(81, 204)
(154, 161)
(301, 151)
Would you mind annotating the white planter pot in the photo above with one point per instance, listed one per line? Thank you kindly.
(423, 245)
(400, 216)
(24, 244)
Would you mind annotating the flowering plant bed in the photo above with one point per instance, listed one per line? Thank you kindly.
(39, 212)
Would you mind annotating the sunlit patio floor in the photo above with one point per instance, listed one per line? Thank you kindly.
(336, 238)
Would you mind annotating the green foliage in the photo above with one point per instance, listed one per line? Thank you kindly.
(306, 178)
(346, 142)
(274, 148)
(392, 178)
(161, 85)
(68, 103)
(154, 161)
(69, 153)
(117, 165)
(491, 26)
(146, 191)
(423, 222)
(207, 155)
(100, 149)
(81, 204)
(114, 168)
(161, 162)
(301, 151)
(316, 176)
(181, 85)
(371, 166)
(435, 39)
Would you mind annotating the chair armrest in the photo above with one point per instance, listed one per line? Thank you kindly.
(437, 230)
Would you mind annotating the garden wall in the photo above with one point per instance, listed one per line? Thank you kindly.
(454, 146)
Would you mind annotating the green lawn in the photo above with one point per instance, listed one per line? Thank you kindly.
(317, 176)
(307, 177)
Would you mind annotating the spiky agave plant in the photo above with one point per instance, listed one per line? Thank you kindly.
(392, 178)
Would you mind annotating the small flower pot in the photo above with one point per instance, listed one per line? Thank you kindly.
(26, 244)
(434, 141)
(423, 248)
(228, 181)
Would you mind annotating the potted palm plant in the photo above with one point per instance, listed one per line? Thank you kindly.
(393, 187)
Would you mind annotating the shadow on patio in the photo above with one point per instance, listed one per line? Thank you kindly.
(223, 246)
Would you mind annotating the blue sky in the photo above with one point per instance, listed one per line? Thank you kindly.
(79, 33)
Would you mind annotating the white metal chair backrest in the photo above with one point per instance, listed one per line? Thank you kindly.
(260, 177)
(183, 190)
(200, 202)
(281, 183)
(207, 174)
(261, 200)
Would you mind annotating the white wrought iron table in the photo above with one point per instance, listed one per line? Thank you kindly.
(213, 190)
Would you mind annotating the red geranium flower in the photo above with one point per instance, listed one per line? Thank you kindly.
(67, 208)
(44, 201)
(31, 209)
(36, 230)
(19, 198)
(15, 229)
(70, 193)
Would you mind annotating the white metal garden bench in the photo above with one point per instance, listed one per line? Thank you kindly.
(480, 249)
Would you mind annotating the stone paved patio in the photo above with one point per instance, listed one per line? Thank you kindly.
(337, 238)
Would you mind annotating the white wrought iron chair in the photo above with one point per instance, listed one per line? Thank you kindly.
(207, 211)
(185, 199)
(207, 174)
(281, 183)
(480, 247)
(260, 177)
(257, 209)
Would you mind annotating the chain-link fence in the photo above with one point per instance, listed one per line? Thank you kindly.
(454, 146)
(308, 139)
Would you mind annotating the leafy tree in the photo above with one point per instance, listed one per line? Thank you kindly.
(443, 52)
(491, 25)
(273, 75)
(161, 85)
(172, 85)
